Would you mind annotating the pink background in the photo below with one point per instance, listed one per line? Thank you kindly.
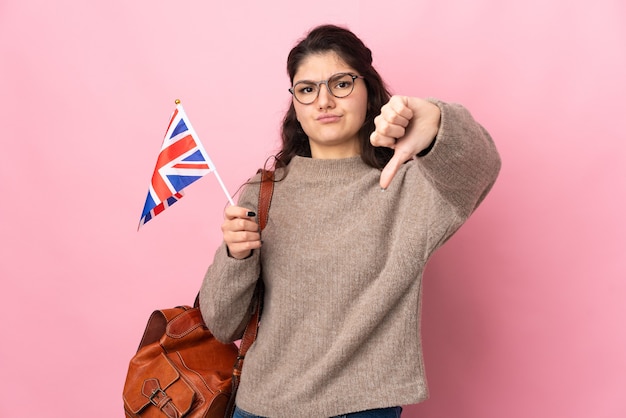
(524, 310)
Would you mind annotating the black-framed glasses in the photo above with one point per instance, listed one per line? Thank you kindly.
(339, 85)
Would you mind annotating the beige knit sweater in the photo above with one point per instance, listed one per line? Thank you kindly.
(342, 265)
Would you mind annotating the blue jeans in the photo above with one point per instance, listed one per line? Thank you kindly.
(372, 413)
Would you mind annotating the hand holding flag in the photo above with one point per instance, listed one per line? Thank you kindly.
(182, 161)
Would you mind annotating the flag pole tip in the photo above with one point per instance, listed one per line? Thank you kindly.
(177, 101)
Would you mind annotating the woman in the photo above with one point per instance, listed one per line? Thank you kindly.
(346, 244)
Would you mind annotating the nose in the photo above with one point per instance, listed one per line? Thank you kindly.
(324, 98)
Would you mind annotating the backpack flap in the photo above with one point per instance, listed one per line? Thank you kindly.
(147, 395)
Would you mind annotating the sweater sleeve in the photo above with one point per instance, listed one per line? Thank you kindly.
(463, 163)
(229, 284)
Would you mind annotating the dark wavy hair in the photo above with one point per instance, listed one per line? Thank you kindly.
(331, 38)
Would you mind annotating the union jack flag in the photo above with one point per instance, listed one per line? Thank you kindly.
(182, 161)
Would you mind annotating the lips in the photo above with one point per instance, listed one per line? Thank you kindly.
(328, 118)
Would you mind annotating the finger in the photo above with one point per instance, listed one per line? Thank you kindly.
(392, 167)
(241, 243)
(241, 237)
(233, 212)
(400, 106)
(385, 134)
(243, 249)
(395, 116)
(239, 224)
(379, 140)
(390, 131)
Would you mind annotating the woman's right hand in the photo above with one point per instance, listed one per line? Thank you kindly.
(408, 125)
(241, 232)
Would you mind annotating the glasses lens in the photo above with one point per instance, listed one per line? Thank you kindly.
(341, 85)
(305, 92)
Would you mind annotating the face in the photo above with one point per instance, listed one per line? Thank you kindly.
(332, 124)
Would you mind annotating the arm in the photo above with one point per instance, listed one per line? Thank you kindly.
(229, 283)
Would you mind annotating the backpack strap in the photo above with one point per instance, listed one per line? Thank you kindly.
(265, 196)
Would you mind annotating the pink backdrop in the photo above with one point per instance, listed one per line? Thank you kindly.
(524, 309)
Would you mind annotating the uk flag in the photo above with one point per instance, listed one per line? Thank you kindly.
(182, 161)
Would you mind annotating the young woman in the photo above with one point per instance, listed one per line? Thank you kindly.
(368, 187)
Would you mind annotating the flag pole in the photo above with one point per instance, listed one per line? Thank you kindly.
(217, 175)
(219, 179)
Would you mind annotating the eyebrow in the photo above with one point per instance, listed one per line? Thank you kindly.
(316, 81)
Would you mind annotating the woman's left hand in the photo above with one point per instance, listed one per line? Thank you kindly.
(408, 125)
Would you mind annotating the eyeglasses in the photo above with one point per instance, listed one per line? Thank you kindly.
(339, 85)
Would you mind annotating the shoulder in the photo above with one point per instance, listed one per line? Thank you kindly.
(249, 192)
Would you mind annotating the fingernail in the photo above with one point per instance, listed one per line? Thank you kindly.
(382, 189)
(250, 213)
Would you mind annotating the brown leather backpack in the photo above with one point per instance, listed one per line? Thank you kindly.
(180, 369)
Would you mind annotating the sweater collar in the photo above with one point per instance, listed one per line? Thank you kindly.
(342, 168)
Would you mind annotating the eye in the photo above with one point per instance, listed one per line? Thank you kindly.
(305, 88)
(342, 82)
